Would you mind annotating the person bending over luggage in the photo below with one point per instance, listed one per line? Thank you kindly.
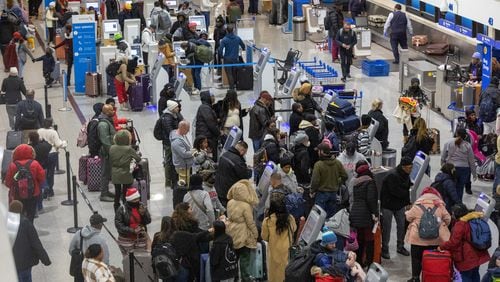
(466, 257)
(422, 239)
(48, 66)
(123, 79)
(445, 183)
(117, 122)
(331, 260)
(120, 156)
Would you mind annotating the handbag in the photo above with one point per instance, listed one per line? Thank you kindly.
(2, 99)
(351, 243)
(339, 223)
(293, 250)
(75, 265)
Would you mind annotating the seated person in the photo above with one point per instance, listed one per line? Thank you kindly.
(475, 68)
(331, 260)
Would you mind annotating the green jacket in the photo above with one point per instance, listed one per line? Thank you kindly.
(106, 131)
(327, 176)
(120, 156)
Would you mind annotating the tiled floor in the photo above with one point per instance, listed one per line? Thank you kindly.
(52, 224)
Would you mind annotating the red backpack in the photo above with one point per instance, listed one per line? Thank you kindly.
(24, 185)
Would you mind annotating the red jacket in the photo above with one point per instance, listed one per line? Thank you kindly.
(117, 122)
(464, 255)
(22, 154)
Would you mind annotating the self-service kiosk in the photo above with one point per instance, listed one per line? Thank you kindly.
(109, 29)
(258, 70)
(232, 138)
(93, 4)
(136, 51)
(363, 36)
(263, 186)
(179, 86)
(286, 102)
(418, 177)
(486, 205)
(159, 76)
(106, 55)
(132, 31)
(201, 26)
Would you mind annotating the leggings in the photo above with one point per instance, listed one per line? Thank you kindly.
(120, 91)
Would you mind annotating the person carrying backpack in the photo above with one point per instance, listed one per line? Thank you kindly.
(105, 134)
(160, 19)
(223, 259)
(445, 183)
(333, 22)
(24, 179)
(29, 113)
(466, 256)
(229, 51)
(489, 101)
(428, 227)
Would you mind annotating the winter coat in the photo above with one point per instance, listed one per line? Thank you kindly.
(169, 121)
(336, 258)
(206, 119)
(259, 116)
(167, 50)
(122, 220)
(301, 164)
(357, 6)
(48, 63)
(203, 161)
(13, 87)
(223, 112)
(112, 9)
(186, 245)
(315, 139)
(382, 133)
(231, 168)
(219, 33)
(333, 22)
(230, 46)
(22, 154)
(349, 163)
(204, 214)
(309, 105)
(50, 18)
(22, 108)
(181, 151)
(90, 236)
(414, 215)
(42, 149)
(294, 121)
(278, 245)
(27, 249)
(120, 156)
(289, 180)
(122, 16)
(364, 203)
(459, 156)
(105, 132)
(214, 197)
(7, 28)
(425, 145)
(52, 137)
(241, 227)
(272, 148)
(465, 255)
(328, 174)
(395, 193)
(448, 189)
(220, 262)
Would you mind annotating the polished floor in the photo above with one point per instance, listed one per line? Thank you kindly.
(56, 218)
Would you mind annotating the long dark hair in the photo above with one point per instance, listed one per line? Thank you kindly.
(231, 100)
(279, 209)
(165, 229)
(182, 219)
(198, 141)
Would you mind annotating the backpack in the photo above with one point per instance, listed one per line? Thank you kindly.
(203, 53)
(480, 234)
(28, 118)
(158, 129)
(165, 261)
(410, 148)
(24, 185)
(299, 268)
(163, 20)
(429, 225)
(295, 204)
(113, 68)
(487, 108)
(75, 265)
(82, 139)
(93, 140)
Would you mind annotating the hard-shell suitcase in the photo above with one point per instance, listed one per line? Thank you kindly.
(143, 268)
(340, 108)
(56, 73)
(377, 20)
(143, 188)
(110, 85)
(259, 266)
(14, 139)
(6, 160)
(436, 135)
(313, 225)
(376, 273)
(92, 84)
(61, 51)
(437, 49)
(136, 97)
(346, 125)
(145, 81)
(437, 266)
(82, 169)
(419, 40)
(94, 168)
(244, 78)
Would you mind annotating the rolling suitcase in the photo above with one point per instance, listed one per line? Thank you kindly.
(437, 266)
(6, 160)
(348, 124)
(94, 168)
(82, 169)
(376, 273)
(92, 84)
(145, 81)
(434, 134)
(142, 186)
(136, 97)
(340, 108)
(259, 266)
(244, 78)
(419, 40)
(178, 194)
(110, 85)
(313, 225)
(14, 139)
(437, 49)
(56, 73)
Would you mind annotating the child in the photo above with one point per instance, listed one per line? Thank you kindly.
(208, 185)
(48, 66)
(223, 259)
(364, 136)
(201, 154)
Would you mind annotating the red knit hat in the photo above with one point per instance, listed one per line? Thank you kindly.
(132, 194)
(192, 24)
(17, 35)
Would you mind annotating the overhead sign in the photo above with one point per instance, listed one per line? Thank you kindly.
(463, 30)
(446, 23)
(84, 48)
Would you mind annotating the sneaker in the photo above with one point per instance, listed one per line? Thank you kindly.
(110, 194)
(385, 255)
(403, 251)
(343, 79)
(105, 198)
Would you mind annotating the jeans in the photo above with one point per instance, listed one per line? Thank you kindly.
(231, 72)
(24, 275)
(497, 178)
(416, 258)
(11, 112)
(207, 18)
(51, 167)
(29, 208)
(327, 201)
(387, 215)
(463, 176)
(398, 39)
(105, 175)
(471, 275)
(196, 74)
(256, 144)
(20, 65)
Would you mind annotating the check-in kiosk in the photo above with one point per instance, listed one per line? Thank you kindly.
(263, 187)
(75, 6)
(136, 51)
(232, 138)
(109, 29)
(132, 31)
(417, 175)
(159, 76)
(258, 70)
(201, 25)
(171, 4)
(93, 4)
(179, 85)
(486, 205)
(106, 55)
(291, 81)
(363, 36)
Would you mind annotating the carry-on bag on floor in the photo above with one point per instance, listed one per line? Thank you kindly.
(110, 84)
(259, 267)
(14, 139)
(178, 194)
(313, 225)
(377, 20)
(419, 40)
(436, 136)
(437, 49)
(6, 160)
(244, 78)
(56, 73)
(376, 273)
(94, 168)
(340, 108)
(61, 51)
(92, 84)
(136, 97)
(345, 125)
(437, 266)
(145, 81)
(82, 169)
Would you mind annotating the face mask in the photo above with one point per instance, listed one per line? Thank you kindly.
(350, 151)
(134, 204)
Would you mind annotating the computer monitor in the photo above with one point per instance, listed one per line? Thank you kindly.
(92, 4)
(361, 21)
(200, 22)
(170, 4)
(110, 26)
(136, 50)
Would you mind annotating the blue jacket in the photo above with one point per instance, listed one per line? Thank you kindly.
(448, 189)
(229, 46)
(335, 258)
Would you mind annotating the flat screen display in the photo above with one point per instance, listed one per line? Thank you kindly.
(110, 27)
(361, 21)
(414, 170)
(92, 4)
(170, 3)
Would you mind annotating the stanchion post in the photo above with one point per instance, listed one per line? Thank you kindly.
(75, 209)
(68, 202)
(46, 96)
(65, 108)
(48, 111)
(58, 170)
(131, 265)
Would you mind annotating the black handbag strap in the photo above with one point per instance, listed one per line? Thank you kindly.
(81, 241)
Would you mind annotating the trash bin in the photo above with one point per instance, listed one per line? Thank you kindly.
(389, 157)
(299, 28)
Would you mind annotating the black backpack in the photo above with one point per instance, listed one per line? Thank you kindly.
(24, 185)
(28, 118)
(75, 265)
(113, 68)
(165, 261)
(93, 140)
(299, 269)
(410, 148)
(158, 129)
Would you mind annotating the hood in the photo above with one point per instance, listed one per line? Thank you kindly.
(122, 138)
(361, 179)
(328, 161)
(304, 124)
(89, 231)
(471, 216)
(174, 135)
(205, 97)
(441, 176)
(268, 137)
(103, 116)
(296, 95)
(230, 36)
(23, 152)
(243, 191)
(429, 198)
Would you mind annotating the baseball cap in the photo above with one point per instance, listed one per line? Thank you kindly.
(97, 219)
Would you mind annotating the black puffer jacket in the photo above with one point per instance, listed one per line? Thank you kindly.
(333, 22)
(186, 245)
(395, 193)
(309, 105)
(447, 187)
(272, 148)
(28, 249)
(301, 164)
(22, 109)
(294, 121)
(13, 87)
(259, 116)
(170, 121)
(206, 119)
(122, 220)
(382, 134)
(231, 168)
(221, 265)
(364, 202)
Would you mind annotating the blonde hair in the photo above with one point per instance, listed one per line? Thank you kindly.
(377, 104)
(421, 128)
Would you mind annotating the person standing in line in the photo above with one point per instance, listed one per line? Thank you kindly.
(260, 115)
(229, 50)
(399, 23)
(50, 22)
(357, 8)
(106, 132)
(200, 203)
(489, 102)
(333, 22)
(206, 122)
(346, 40)
(29, 114)
(182, 157)
(147, 38)
(91, 234)
(376, 113)
(93, 268)
(68, 50)
(13, 87)
(22, 51)
(169, 122)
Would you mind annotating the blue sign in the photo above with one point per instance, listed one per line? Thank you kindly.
(486, 60)
(485, 39)
(497, 45)
(463, 30)
(490, 21)
(446, 23)
(84, 49)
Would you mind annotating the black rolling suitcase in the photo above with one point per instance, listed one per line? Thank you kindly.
(244, 78)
